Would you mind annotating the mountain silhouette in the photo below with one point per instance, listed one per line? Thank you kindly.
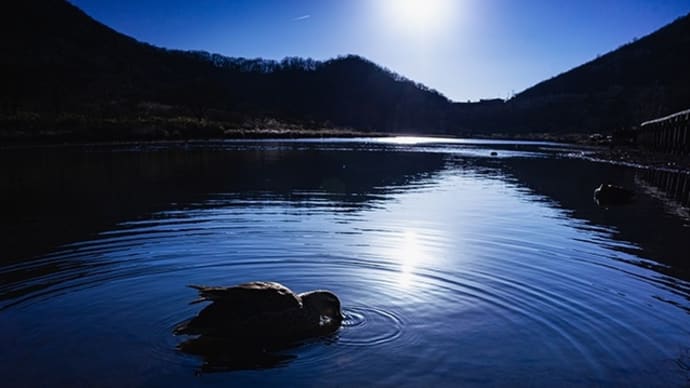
(642, 80)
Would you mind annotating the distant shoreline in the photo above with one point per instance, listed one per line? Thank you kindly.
(624, 155)
(202, 132)
(72, 138)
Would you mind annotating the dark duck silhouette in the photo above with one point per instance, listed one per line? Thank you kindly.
(263, 313)
(607, 194)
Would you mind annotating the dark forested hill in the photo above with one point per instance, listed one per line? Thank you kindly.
(58, 62)
(644, 79)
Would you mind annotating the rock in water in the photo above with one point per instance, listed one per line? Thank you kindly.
(607, 195)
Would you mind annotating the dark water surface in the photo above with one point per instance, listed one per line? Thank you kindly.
(454, 267)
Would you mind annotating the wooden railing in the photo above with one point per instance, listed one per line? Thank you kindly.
(674, 185)
(668, 134)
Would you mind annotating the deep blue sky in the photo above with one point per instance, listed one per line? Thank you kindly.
(466, 49)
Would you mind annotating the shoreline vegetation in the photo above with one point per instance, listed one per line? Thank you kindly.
(27, 129)
(32, 129)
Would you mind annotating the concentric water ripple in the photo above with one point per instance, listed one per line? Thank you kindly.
(366, 326)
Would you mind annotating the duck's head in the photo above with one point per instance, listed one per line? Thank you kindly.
(326, 304)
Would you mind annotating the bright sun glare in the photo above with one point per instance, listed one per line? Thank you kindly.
(419, 17)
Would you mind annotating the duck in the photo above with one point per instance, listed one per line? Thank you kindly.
(263, 312)
(607, 194)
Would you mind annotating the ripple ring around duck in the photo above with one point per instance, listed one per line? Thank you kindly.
(369, 326)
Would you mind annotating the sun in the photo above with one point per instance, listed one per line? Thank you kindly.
(419, 13)
(418, 17)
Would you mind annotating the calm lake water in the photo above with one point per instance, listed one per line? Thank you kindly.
(455, 267)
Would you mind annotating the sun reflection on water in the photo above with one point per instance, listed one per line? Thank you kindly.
(411, 254)
(410, 140)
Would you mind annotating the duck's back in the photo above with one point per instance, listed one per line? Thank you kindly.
(241, 309)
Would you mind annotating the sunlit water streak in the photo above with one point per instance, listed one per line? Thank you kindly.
(456, 273)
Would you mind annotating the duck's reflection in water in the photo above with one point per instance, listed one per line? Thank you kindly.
(224, 355)
(227, 355)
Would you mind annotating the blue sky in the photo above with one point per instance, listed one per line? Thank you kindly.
(466, 49)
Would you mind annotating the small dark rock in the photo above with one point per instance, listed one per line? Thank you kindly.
(607, 194)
